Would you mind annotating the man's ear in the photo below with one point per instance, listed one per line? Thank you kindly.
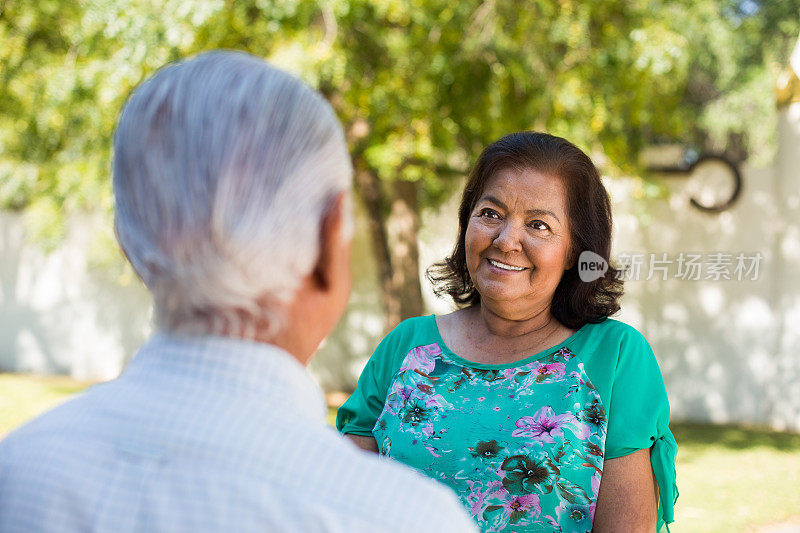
(331, 237)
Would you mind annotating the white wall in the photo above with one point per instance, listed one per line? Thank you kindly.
(729, 350)
(60, 315)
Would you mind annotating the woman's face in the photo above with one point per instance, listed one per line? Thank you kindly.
(518, 241)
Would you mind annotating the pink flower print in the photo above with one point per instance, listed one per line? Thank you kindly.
(477, 505)
(477, 498)
(580, 430)
(432, 450)
(550, 370)
(577, 377)
(595, 486)
(481, 398)
(518, 506)
(553, 522)
(405, 393)
(436, 400)
(495, 485)
(564, 353)
(495, 408)
(543, 425)
(399, 397)
(421, 358)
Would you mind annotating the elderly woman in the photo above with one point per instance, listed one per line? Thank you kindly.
(540, 412)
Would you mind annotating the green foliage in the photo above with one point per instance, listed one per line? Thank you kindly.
(65, 71)
(731, 86)
(421, 85)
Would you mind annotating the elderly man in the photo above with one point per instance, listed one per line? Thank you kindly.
(232, 181)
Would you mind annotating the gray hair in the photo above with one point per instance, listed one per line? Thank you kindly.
(224, 168)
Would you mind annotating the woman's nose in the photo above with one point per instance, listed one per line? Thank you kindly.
(509, 239)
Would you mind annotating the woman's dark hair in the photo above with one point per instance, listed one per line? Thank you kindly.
(575, 302)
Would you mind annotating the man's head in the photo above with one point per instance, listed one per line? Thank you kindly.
(231, 180)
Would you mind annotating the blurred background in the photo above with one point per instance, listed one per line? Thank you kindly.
(649, 89)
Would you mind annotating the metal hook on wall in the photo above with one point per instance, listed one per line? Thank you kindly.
(700, 168)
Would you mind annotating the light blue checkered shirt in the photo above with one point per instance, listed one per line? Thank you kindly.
(207, 434)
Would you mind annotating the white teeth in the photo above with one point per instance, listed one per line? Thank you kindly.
(504, 266)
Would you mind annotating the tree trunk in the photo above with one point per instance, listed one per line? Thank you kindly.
(403, 227)
(393, 231)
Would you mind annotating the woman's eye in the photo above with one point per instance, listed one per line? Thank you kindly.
(539, 225)
(489, 213)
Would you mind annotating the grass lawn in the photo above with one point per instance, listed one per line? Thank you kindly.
(22, 396)
(730, 478)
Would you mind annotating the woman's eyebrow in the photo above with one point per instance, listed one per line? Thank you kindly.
(542, 212)
(534, 212)
(495, 201)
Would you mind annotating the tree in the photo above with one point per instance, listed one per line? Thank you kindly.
(424, 86)
(420, 85)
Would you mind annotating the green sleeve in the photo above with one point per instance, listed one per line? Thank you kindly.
(361, 410)
(638, 417)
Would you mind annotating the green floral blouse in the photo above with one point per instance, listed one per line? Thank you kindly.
(522, 444)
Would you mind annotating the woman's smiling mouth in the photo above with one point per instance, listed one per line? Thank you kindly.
(504, 266)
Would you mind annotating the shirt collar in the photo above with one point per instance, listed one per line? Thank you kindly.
(233, 366)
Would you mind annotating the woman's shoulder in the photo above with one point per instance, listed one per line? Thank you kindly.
(611, 336)
(411, 331)
(613, 352)
(612, 329)
(414, 326)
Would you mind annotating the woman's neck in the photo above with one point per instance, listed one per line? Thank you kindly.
(537, 324)
(482, 335)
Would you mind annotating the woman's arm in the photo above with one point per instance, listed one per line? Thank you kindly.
(628, 497)
(365, 443)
